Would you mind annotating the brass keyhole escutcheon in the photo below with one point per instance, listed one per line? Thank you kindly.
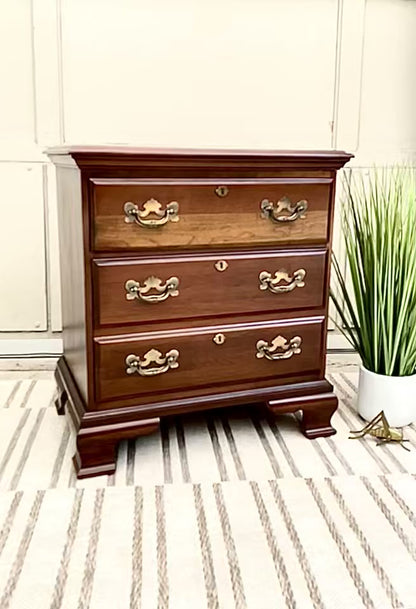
(221, 191)
(219, 339)
(221, 265)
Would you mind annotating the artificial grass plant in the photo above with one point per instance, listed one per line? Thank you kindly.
(377, 307)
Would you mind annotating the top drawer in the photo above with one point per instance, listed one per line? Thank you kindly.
(146, 214)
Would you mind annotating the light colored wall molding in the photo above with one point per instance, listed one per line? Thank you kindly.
(10, 347)
(46, 72)
(387, 128)
(349, 67)
(22, 236)
(53, 264)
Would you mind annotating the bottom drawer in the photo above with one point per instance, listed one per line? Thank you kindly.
(199, 357)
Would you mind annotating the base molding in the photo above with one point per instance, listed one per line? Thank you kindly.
(36, 345)
(317, 411)
(100, 431)
(97, 446)
(68, 388)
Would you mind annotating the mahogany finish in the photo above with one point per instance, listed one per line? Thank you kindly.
(204, 363)
(206, 219)
(223, 334)
(203, 290)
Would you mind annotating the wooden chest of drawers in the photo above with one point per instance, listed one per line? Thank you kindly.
(191, 280)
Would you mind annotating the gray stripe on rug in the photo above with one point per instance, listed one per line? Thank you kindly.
(27, 395)
(206, 550)
(62, 575)
(371, 557)
(233, 449)
(267, 447)
(13, 441)
(342, 547)
(183, 456)
(300, 552)
(325, 460)
(233, 564)
(57, 466)
(137, 550)
(161, 549)
(12, 395)
(339, 456)
(216, 447)
(281, 442)
(26, 449)
(8, 522)
(408, 544)
(402, 504)
(90, 559)
(349, 382)
(18, 563)
(278, 560)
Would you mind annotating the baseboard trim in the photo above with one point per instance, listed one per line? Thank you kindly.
(30, 347)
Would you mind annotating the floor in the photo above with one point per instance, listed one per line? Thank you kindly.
(220, 510)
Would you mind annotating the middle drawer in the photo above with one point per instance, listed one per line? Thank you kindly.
(143, 290)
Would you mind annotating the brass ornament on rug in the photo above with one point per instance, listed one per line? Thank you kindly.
(384, 433)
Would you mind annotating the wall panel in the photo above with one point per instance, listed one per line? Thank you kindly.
(387, 121)
(22, 238)
(17, 116)
(238, 73)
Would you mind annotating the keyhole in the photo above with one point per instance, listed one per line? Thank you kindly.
(221, 265)
(219, 339)
(221, 191)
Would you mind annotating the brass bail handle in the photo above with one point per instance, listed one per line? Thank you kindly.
(143, 367)
(161, 291)
(275, 285)
(280, 348)
(292, 211)
(152, 207)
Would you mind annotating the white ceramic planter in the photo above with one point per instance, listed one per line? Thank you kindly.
(396, 395)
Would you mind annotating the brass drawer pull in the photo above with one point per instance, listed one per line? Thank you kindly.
(133, 214)
(280, 348)
(142, 366)
(295, 211)
(274, 285)
(163, 290)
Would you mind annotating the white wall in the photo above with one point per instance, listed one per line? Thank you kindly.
(234, 73)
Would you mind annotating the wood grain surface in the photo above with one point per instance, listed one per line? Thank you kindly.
(202, 362)
(203, 290)
(100, 252)
(205, 219)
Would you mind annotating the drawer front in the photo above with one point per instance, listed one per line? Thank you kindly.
(150, 365)
(178, 287)
(148, 214)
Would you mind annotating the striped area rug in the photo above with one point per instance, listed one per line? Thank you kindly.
(219, 511)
